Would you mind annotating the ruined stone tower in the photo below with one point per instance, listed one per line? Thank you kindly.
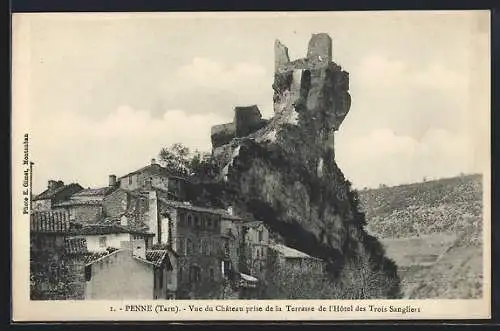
(314, 85)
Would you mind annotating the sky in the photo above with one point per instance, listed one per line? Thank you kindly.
(107, 91)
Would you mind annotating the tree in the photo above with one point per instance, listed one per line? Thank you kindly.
(176, 159)
(186, 163)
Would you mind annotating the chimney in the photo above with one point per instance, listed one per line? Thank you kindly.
(112, 180)
(153, 216)
(153, 161)
(53, 184)
(139, 248)
(123, 220)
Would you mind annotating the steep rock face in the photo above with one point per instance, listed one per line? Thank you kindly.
(285, 172)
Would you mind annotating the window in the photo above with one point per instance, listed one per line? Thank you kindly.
(203, 246)
(209, 247)
(197, 221)
(181, 248)
(182, 219)
(180, 274)
(189, 247)
(88, 273)
(130, 180)
(260, 235)
(212, 274)
(209, 222)
(195, 274)
(102, 242)
(72, 215)
(226, 268)
(189, 220)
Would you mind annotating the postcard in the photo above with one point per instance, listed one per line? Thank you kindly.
(271, 166)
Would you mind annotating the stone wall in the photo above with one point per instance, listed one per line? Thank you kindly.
(320, 45)
(116, 203)
(84, 213)
(47, 271)
(247, 119)
(76, 279)
(134, 205)
(54, 275)
(222, 134)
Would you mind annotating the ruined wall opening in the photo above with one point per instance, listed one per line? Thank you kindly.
(305, 84)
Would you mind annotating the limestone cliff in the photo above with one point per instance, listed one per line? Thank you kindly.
(283, 171)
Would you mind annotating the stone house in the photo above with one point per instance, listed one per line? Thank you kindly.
(56, 192)
(54, 275)
(294, 260)
(100, 237)
(137, 209)
(255, 245)
(231, 230)
(203, 264)
(131, 272)
(86, 205)
(154, 176)
(87, 212)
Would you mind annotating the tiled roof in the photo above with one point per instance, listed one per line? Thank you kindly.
(92, 257)
(54, 221)
(100, 229)
(94, 191)
(153, 257)
(289, 252)
(253, 224)
(165, 247)
(77, 203)
(50, 193)
(157, 257)
(154, 169)
(176, 204)
(75, 245)
(225, 214)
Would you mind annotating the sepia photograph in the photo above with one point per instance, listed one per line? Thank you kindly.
(334, 163)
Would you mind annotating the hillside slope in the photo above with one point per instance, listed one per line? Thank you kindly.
(433, 230)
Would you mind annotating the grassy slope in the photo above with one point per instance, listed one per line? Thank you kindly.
(432, 230)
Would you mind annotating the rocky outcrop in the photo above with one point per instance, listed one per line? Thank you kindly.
(284, 173)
